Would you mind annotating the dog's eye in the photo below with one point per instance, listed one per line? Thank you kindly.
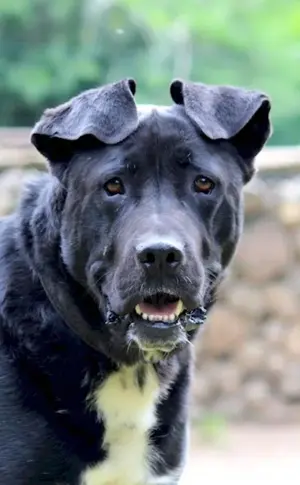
(114, 187)
(203, 185)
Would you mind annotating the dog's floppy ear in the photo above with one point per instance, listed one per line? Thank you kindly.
(108, 114)
(228, 113)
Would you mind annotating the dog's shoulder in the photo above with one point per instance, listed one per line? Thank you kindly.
(30, 451)
(27, 318)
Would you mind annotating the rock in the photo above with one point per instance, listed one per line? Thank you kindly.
(288, 208)
(256, 394)
(264, 252)
(246, 299)
(281, 301)
(258, 197)
(280, 412)
(254, 204)
(227, 378)
(275, 413)
(251, 357)
(297, 242)
(289, 213)
(292, 342)
(275, 364)
(225, 332)
(11, 184)
(289, 189)
(292, 413)
(202, 387)
(291, 381)
(274, 333)
(231, 406)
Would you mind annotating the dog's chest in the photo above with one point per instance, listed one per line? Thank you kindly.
(127, 403)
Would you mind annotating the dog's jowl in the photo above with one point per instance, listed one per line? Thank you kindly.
(109, 267)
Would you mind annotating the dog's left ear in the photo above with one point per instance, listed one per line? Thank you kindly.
(228, 113)
(107, 114)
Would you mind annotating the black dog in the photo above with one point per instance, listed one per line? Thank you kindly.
(107, 271)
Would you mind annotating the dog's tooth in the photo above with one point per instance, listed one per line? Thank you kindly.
(138, 310)
(151, 318)
(166, 318)
(172, 317)
(179, 308)
(145, 316)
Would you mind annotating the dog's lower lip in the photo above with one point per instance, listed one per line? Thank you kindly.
(160, 325)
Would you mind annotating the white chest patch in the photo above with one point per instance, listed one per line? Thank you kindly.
(128, 411)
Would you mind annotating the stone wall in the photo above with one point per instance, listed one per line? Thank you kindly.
(248, 359)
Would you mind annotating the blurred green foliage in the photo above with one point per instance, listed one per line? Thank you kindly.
(50, 50)
(211, 429)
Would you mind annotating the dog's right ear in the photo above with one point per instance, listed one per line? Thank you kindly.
(107, 114)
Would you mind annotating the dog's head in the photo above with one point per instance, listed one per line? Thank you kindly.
(153, 208)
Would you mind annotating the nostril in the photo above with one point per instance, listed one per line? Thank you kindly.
(173, 257)
(147, 257)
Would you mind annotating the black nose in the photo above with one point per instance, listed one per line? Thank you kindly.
(160, 256)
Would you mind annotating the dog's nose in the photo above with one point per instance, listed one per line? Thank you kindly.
(160, 256)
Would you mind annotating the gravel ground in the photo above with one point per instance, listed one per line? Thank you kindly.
(249, 455)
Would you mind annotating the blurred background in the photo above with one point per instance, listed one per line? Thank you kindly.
(246, 391)
(50, 51)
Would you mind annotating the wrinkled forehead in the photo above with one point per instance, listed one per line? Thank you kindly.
(164, 132)
(165, 137)
(165, 121)
(161, 126)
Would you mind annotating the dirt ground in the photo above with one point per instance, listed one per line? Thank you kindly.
(248, 455)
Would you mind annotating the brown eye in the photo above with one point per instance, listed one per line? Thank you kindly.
(114, 187)
(203, 185)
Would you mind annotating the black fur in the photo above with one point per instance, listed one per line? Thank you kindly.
(70, 238)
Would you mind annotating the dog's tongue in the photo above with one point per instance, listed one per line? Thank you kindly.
(163, 309)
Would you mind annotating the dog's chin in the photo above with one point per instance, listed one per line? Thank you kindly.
(156, 338)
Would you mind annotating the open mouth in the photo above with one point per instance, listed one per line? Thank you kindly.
(158, 322)
(160, 307)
